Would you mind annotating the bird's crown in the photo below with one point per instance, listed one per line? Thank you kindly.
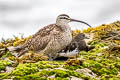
(63, 16)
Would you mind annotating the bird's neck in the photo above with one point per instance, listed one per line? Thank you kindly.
(64, 26)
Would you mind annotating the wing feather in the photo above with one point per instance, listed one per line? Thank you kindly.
(40, 40)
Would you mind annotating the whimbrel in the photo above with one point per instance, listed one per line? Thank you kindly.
(51, 39)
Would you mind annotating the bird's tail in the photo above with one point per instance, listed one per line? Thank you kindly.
(17, 49)
(20, 51)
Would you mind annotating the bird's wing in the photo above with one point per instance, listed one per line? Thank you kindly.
(40, 40)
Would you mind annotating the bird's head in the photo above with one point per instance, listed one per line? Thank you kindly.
(63, 18)
(81, 36)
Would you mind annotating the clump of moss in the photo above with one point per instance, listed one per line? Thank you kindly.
(25, 69)
(5, 76)
(4, 63)
(7, 54)
(30, 77)
(73, 64)
(31, 57)
(30, 68)
(59, 74)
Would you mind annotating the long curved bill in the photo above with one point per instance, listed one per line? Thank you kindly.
(80, 21)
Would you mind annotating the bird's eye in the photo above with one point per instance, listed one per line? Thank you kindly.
(63, 18)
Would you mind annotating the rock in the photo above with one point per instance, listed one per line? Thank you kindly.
(2, 71)
(52, 77)
(9, 69)
(87, 72)
(75, 78)
(100, 54)
(90, 36)
(118, 74)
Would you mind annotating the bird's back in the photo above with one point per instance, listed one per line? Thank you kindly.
(40, 39)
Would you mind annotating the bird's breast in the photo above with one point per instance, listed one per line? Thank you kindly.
(64, 39)
(60, 39)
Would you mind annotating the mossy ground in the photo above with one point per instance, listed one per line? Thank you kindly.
(103, 60)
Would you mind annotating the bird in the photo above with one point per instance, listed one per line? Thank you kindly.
(50, 39)
(78, 43)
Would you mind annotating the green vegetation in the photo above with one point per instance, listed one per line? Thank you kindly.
(4, 63)
(103, 62)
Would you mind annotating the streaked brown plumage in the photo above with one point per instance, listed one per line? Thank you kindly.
(46, 37)
(50, 39)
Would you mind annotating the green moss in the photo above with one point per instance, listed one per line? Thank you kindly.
(2, 67)
(5, 76)
(8, 54)
(43, 75)
(25, 69)
(63, 73)
(70, 67)
(30, 77)
(4, 63)
(48, 64)
(100, 65)
(59, 78)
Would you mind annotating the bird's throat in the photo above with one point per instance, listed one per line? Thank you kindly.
(64, 26)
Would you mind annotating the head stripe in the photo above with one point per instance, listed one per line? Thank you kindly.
(64, 15)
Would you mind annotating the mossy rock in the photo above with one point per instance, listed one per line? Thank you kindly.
(103, 60)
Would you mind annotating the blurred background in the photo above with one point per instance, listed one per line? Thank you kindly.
(28, 16)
